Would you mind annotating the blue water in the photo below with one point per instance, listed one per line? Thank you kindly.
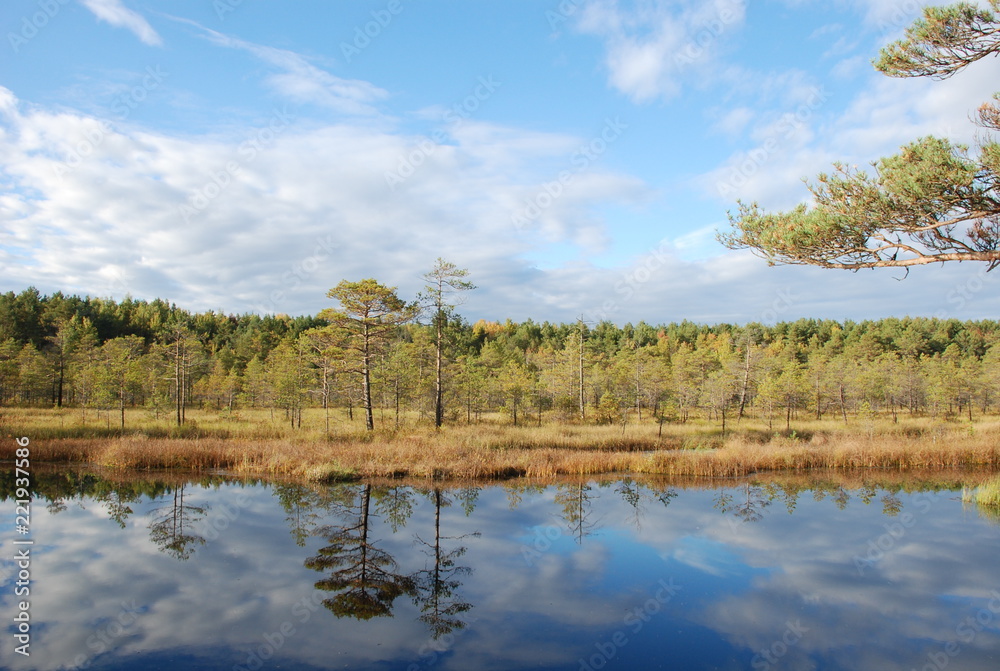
(579, 576)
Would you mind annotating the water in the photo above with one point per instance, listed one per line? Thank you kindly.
(572, 576)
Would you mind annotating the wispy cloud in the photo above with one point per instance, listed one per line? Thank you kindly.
(117, 14)
(301, 82)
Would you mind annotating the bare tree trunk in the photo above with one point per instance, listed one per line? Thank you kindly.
(745, 387)
(582, 395)
(438, 384)
(843, 404)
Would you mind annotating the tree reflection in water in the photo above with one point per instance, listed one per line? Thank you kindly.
(364, 576)
(171, 528)
(636, 494)
(438, 584)
(747, 504)
(367, 579)
(576, 502)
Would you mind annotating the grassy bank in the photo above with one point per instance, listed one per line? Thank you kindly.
(255, 444)
(986, 494)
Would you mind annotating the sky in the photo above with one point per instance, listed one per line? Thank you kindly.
(577, 157)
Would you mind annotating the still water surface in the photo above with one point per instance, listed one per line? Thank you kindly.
(572, 576)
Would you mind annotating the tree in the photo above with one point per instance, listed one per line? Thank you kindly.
(720, 390)
(60, 352)
(32, 374)
(9, 351)
(783, 384)
(932, 201)
(690, 368)
(323, 351)
(86, 364)
(751, 336)
(444, 279)
(219, 386)
(122, 373)
(943, 42)
(286, 373)
(398, 375)
(370, 313)
(255, 383)
(471, 386)
(183, 351)
(514, 383)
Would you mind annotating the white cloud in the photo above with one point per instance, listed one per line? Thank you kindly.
(228, 224)
(115, 13)
(312, 207)
(650, 44)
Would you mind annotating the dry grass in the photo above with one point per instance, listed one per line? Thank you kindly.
(252, 444)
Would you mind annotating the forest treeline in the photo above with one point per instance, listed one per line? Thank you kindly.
(103, 354)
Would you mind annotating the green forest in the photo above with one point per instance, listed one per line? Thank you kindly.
(98, 354)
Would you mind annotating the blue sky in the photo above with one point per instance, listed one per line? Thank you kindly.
(576, 157)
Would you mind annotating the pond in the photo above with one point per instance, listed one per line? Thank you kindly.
(170, 573)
